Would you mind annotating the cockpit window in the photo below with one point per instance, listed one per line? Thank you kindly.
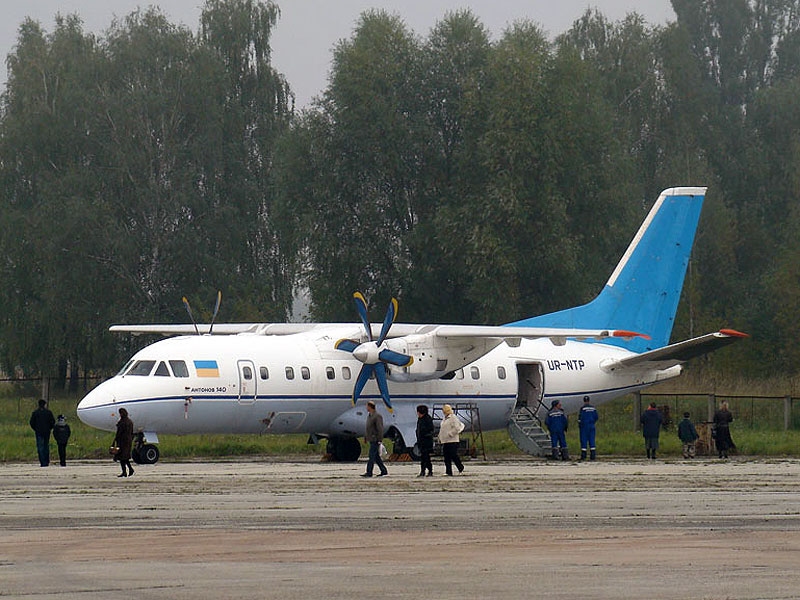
(142, 367)
(179, 368)
(125, 368)
(162, 370)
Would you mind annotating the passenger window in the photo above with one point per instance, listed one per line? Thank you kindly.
(330, 373)
(345, 372)
(179, 368)
(305, 373)
(289, 373)
(247, 372)
(501, 371)
(474, 372)
(460, 374)
(162, 370)
(142, 367)
(263, 372)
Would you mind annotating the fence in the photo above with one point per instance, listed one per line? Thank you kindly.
(759, 412)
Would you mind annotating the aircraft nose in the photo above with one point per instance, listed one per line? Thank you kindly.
(94, 409)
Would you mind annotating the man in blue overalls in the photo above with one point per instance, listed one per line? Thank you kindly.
(587, 417)
(557, 423)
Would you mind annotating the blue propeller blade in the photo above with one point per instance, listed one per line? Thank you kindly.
(361, 307)
(395, 358)
(380, 376)
(346, 345)
(361, 381)
(391, 315)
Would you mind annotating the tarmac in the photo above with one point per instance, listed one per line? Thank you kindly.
(613, 528)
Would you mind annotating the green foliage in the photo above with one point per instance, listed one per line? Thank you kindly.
(137, 168)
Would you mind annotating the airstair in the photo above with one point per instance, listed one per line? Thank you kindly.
(526, 431)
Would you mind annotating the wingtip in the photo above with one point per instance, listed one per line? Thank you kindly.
(734, 333)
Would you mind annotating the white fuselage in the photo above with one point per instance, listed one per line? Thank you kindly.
(299, 383)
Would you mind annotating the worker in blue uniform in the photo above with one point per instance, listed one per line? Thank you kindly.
(557, 423)
(587, 417)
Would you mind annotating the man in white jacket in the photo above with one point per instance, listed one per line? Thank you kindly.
(448, 437)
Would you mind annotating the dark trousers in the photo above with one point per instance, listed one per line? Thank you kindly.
(450, 452)
(43, 448)
(62, 454)
(375, 458)
(425, 460)
(558, 439)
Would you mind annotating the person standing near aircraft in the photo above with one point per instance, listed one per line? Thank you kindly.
(651, 420)
(424, 440)
(557, 422)
(124, 440)
(449, 438)
(587, 417)
(61, 433)
(373, 435)
(722, 427)
(688, 435)
(42, 421)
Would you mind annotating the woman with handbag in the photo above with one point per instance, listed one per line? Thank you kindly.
(123, 441)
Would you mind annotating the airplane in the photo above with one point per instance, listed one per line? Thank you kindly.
(315, 378)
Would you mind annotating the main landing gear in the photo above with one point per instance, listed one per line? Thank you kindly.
(343, 449)
(144, 454)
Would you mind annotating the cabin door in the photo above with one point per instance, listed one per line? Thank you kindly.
(247, 382)
(530, 386)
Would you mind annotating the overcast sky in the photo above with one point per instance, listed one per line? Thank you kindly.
(308, 29)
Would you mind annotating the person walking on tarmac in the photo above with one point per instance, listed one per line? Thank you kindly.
(449, 438)
(61, 434)
(688, 435)
(651, 420)
(587, 417)
(424, 440)
(373, 434)
(42, 422)
(722, 430)
(557, 423)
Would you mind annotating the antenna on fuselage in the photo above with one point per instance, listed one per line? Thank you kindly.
(216, 310)
(189, 310)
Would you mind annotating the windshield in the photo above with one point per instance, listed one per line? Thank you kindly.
(125, 368)
(142, 367)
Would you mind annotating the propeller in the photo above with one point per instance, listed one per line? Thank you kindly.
(372, 353)
(213, 318)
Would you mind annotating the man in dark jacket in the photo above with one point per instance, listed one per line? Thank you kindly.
(651, 420)
(373, 435)
(557, 423)
(42, 422)
(688, 435)
(61, 434)
(587, 417)
(424, 440)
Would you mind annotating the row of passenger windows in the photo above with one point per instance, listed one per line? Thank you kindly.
(178, 368)
(330, 373)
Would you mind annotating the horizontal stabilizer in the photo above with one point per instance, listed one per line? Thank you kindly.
(675, 354)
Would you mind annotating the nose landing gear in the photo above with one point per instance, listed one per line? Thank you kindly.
(144, 454)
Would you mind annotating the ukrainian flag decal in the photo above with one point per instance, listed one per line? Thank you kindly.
(206, 368)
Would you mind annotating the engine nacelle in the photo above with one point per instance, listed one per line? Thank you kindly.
(434, 356)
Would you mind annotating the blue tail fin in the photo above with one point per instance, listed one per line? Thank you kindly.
(642, 293)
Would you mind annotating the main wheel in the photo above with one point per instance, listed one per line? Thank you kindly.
(149, 454)
(344, 449)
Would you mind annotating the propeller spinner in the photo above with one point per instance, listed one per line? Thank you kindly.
(373, 354)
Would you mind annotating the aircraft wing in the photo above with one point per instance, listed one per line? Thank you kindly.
(512, 335)
(674, 354)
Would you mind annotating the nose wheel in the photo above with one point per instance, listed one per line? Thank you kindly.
(144, 454)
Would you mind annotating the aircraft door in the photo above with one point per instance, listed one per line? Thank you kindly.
(530, 386)
(247, 382)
